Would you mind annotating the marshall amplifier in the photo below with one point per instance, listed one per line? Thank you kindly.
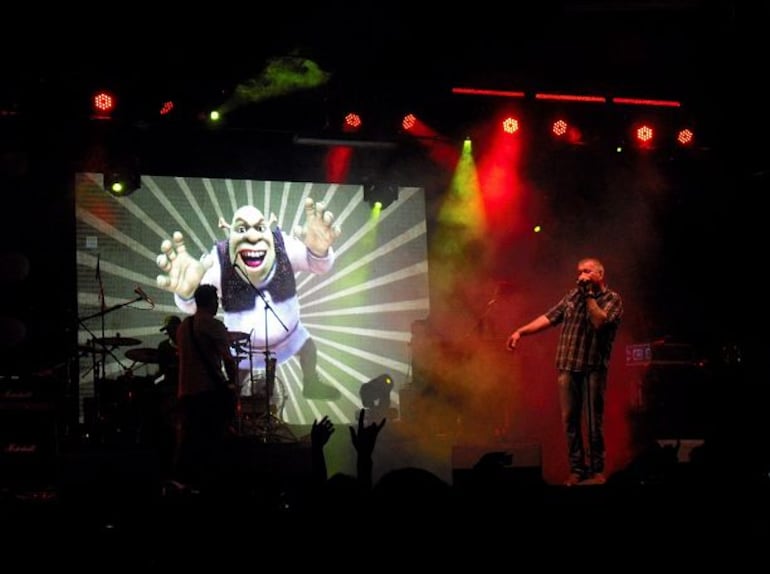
(28, 431)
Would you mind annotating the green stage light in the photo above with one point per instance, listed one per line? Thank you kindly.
(121, 184)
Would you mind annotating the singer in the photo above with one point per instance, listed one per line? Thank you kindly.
(590, 314)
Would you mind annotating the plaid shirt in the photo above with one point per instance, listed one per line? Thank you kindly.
(582, 347)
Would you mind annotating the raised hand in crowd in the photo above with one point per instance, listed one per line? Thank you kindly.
(320, 433)
(364, 439)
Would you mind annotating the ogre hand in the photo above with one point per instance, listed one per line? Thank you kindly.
(319, 231)
(183, 273)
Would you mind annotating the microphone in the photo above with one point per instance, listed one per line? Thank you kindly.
(245, 277)
(242, 273)
(139, 291)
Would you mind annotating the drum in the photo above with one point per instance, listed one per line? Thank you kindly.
(125, 406)
(127, 390)
(239, 343)
(253, 401)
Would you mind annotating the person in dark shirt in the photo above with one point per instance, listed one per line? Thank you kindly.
(208, 376)
(168, 354)
(166, 382)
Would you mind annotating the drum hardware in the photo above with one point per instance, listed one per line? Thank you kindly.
(84, 350)
(235, 336)
(143, 355)
(270, 427)
(254, 403)
(117, 341)
(256, 413)
(101, 347)
(125, 410)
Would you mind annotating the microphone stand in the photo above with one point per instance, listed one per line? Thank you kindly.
(589, 410)
(587, 398)
(270, 364)
(481, 323)
(502, 416)
(501, 290)
(104, 311)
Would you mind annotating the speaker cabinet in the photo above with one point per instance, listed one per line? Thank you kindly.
(29, 435)
(675, 400)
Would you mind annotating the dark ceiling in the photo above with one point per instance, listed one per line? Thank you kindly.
(379, 55)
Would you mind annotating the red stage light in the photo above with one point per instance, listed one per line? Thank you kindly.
(685, 137)
(166, 108)
(644, 134)
(510, 125)
(352, 122)
(559, 128)
(103, 104)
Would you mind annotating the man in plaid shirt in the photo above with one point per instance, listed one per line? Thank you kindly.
(589, 314)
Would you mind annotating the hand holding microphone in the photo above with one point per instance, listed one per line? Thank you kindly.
(584, 286)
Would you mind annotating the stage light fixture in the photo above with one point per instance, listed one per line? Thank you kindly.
(375, 397)
(382, 193)
(103, 103)
(351, 122)
(644, 135)
(559, 128)
(408, 122)
(565, 131)
(510, 125)
(121, 184)
(685, 137)
(166, 108)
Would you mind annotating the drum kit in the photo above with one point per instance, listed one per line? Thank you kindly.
(121, 406)
(121, 403)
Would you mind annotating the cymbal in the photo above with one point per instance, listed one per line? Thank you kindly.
(237, 335)
(118, 341)
(143, 355)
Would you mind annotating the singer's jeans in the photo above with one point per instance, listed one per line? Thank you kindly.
(574, 395)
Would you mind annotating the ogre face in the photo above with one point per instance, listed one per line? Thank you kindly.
(252, 248)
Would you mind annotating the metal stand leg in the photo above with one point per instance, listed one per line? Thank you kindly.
(270, 427)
